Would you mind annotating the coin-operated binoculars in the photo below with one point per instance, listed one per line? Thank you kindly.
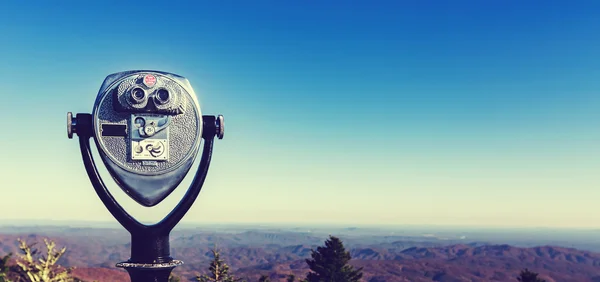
(147, 126)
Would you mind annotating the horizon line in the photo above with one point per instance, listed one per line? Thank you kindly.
(115, 224)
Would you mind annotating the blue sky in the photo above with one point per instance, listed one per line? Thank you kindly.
(353, 112)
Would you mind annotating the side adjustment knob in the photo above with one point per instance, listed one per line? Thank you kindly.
(71, 125)
(81, 124)
(220, 124)
(213, 126)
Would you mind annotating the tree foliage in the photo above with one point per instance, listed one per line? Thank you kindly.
(291, 278)
(4, 269)
(264, 278)
(330, 264)
(33, 267)
(529, 276)
(218, 271)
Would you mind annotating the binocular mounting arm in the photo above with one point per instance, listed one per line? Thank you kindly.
(150, 243)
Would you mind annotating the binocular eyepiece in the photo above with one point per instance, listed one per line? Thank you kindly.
(149, 93)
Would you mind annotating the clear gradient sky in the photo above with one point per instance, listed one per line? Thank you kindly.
(354, 112)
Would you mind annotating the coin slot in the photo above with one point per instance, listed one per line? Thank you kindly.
(119, 130)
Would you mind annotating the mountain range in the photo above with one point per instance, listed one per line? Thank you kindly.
(277, 253)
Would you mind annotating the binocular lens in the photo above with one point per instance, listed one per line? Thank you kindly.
(163, 96)
(138, 95)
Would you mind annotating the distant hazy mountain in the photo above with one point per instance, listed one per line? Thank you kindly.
(277, 252)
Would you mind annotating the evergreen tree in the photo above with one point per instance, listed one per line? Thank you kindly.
(529, 276)
(330, 264)
(264, 278)
(4, 269)
(218, 271)
(291, 278)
